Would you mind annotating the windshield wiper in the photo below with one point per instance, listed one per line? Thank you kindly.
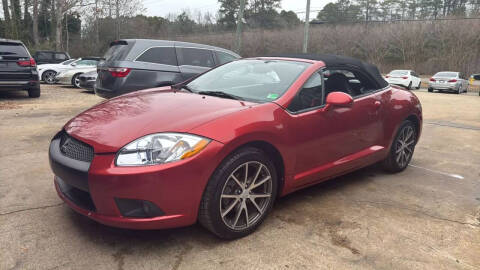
(186, 87)
(220, 94)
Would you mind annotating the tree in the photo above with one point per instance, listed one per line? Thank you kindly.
(228, 13)
(289, 19)
(262, 13)
(6, 14)
(340, 11)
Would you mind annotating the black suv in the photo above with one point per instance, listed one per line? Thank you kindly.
(18, 70)
(50, 57)
(135, 64)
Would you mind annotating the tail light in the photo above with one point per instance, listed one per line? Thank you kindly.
(27, 63)
(119, 72)
(432, 79)
(453, 80)
(404, 77)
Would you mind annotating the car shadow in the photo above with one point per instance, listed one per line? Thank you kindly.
(111, 236)
(14, 95)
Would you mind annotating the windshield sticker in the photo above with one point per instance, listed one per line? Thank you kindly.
(272, 96)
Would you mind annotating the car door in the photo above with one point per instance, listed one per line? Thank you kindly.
(328, 142)
(193, 61)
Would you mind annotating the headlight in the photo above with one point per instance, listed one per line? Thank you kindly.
(160, 148)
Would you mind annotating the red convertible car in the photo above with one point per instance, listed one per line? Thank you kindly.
(220, 148)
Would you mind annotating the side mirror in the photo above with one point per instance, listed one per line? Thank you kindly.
(73, 64)
(338, 99)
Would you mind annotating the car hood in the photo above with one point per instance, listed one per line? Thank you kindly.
(112, 124)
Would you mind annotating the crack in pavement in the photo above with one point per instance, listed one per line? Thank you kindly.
(416, 211)
(32, 208)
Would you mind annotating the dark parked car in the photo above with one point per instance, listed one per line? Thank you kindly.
(135, 64)
(87, 80)
(50, 57)
(18, 70)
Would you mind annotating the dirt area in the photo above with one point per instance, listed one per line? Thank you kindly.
(427, 217)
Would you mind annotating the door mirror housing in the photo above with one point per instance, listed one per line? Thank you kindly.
(338, 99)
(73, 64)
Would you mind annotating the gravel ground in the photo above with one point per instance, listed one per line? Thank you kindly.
(427, 217)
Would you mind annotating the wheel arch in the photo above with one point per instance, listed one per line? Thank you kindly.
(414, 119)
(74, 75)
(273, 153)
(45, 71)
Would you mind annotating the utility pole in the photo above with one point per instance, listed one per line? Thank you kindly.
(306, 29)
(238, 46)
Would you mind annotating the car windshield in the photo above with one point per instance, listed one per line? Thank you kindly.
(253, 79)
(446, 74)
(68, 61)
(399, 72)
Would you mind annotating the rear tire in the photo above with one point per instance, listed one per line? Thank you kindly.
(34, 93)
(49, 76)
(430, 89)
(230, 208)
(402, 148)
(419, 85)
(409, 87)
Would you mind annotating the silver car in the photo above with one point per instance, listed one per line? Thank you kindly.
(448, 81)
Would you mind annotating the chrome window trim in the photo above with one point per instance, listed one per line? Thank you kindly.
(174, 47)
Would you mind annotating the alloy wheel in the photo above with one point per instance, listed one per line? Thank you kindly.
(76, 81)
(246, 195)
(49, 77)
(405, 146)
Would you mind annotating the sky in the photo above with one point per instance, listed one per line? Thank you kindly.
(164, 7)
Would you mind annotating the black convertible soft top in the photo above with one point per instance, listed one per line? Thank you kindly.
(337, 61)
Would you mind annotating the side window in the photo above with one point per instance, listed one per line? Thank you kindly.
(195, 57)
(44, 56)
(87, 62)
(60, 56)
(224, 57)
(348, 81)
(159, 55)
(310, 96)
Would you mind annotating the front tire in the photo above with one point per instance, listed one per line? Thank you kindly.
(239, 195)
(76, 80)
(419, 85)
(402, 148)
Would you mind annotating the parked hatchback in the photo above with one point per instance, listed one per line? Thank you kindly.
(135, 64)
(18, 70)
(50, 57)
(448, 81)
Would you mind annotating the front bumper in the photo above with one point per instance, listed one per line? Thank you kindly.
(176, 188)
(87, 84)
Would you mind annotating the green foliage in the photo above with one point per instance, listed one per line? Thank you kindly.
(228, 13)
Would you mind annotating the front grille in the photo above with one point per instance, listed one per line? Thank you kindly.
(75, 149)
